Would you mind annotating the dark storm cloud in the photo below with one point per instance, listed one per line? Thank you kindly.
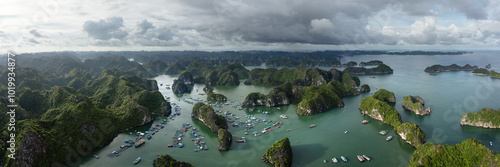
(111, 28)
(150, 35)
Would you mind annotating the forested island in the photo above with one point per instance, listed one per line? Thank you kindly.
(377, 107)
(433, 70)
(415, 104)
(167, 161)
(279, 154)
(485, 118)
(216, 123)
(483, 71)
(470, 152)
(380, 69)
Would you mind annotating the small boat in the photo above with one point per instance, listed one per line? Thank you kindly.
(96, 157)
(388, 138)
(278, 108)
(367, 158)
(324, 161)
(241, 140)
(334, 160)
(343, 158)
(491, 143)
(283, 116)
(365, 121)
(384, 132)
(137, 160)
(311, 126)
(346, 132)
(149, 137)
(360, 158)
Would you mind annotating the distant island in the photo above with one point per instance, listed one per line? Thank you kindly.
(415, 104)
(380, 69)
(485, 118)
(279, 154)
(483, 71)
(377, 107)
(433, 70)
(371, 63)
(470, 152)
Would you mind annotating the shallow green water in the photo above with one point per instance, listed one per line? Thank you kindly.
(449, 94)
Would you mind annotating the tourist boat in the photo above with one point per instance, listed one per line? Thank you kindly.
(241, 140)
(388, 138)
(334, 160)
(343, 158)
(365, 121)
(367, 158)
(181, 145)
(360, 158)
(137, 160)
(283, 116)
(311, 126)
(384, 132)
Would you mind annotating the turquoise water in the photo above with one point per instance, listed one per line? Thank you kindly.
(449, 94)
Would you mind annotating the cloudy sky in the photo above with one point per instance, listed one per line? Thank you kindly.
(55, 25)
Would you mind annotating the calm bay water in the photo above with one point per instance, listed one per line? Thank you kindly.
(449, 94)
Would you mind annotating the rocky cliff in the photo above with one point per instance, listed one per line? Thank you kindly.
(183, 84)
(485, 118)
(216, 123)
(385, 95)
(411, 133)
(279, 154)
(380, 110)
(364, 88)
(224, 140)
(415, 104)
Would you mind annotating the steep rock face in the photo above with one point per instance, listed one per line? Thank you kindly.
(276, 98)
(385, 95)
(254, 99)
(279, 154)
(210, 119)
(31, 150)
(183, 84)
(415, 104)
(224, 140)
(454, 67)
(214, 96)
(166, 109)
(364, 88)
(411, 133)
(167, 160)
(318, 104)
(485, 118)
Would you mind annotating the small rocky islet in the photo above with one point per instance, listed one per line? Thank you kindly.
(415, 104)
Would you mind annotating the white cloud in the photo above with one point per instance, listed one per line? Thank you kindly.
(322, 26)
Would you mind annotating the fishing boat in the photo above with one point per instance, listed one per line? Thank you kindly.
(367, 158)
(343, 158)
(241, 140)
(311, 126)
(384, 132)
(388, 138)
(334, 160)
(365, 121)
(283, 116)
(360, 158)
(137, 160)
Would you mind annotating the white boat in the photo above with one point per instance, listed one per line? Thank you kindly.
(137, 160)
(384, 132)
(388, 138)
(346, 132)
(334, 160)
(283, 116)
(343, 158)
(367, 158)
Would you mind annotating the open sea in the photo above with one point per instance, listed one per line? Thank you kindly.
(449, 94)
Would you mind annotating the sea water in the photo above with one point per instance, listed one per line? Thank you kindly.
(449, 94)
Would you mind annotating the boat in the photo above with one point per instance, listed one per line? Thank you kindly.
(367, 158)
(311, 126)
(334, 160)
(241, 140)
(343, 158)
(360, 158)
(384, 132)
(137, 160)
(140, 142)
(346, 132)
(491, 143)
(96, 157)
(365, 121)
(149, 137)
(278, 108)
(324, 161)
(388, 138)
(283, 116)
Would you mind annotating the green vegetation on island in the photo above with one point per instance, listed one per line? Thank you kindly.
(434, 69)
(216, 123)
(167, 161)
(380, 69)
(279, 154)
(483, 71)
(183, 84)
(411, 133)
(371, 63)
(57, 119)
(299, 76)
(415, 104)
(385, 95)
(380, 110)
(486, 118)
(214, 96)
(470, 152)
(364, 88)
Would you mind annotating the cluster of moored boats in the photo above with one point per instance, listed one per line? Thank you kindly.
(361, 158)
